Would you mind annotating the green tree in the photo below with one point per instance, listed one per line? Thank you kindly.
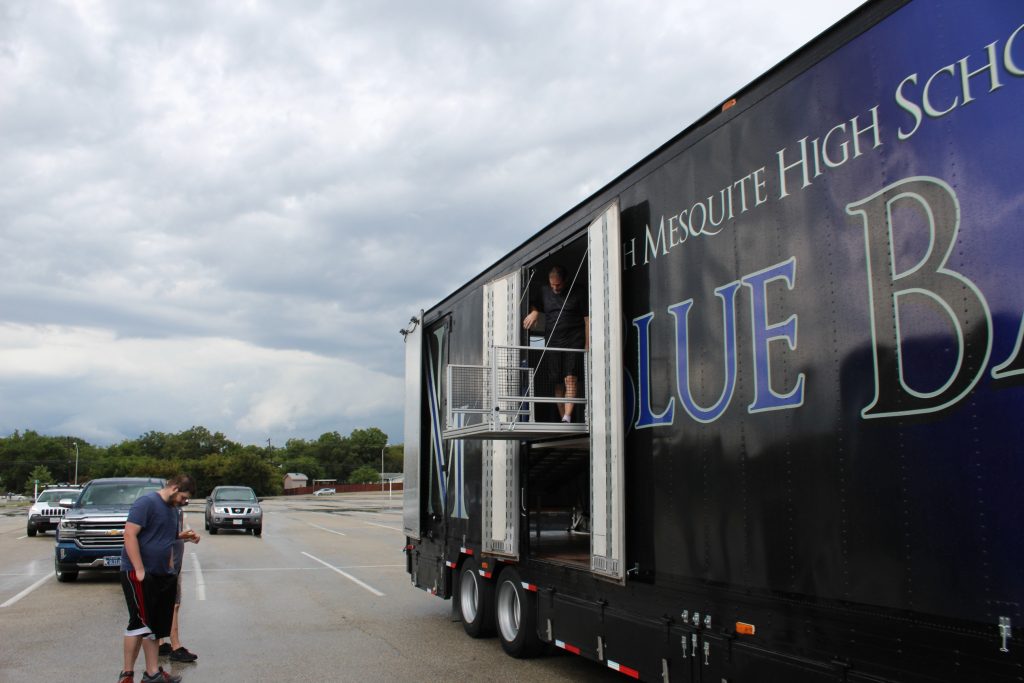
(394, 458)
(40, 474)
(20, 452)
(364, 475)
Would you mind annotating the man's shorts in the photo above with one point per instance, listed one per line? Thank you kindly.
(556, 366)
(150, 604)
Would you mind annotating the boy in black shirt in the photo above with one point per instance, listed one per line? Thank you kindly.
(567, 326)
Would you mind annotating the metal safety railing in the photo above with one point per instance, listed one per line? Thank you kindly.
(516, 395)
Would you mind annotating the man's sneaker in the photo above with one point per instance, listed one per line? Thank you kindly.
(165, 649)
(161, 676)
(183, 655)
(126, 677)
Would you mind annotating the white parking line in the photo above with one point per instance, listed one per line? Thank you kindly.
(383, 526)
(323, 528)
(346, 575)
(28, 590)
(200, 582)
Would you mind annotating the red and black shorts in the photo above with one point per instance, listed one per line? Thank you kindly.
(150, 603)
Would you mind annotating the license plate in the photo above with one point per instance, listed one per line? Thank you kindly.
(54, 520)
(114, 561)
(236, 522)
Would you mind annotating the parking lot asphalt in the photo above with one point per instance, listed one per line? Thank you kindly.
(322, 596)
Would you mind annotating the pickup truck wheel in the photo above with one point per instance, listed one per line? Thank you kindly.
(516, 617)
(31, 531)
(476, 601)
(63, 575)
(213, 530)
(257, 531)
(206, 523)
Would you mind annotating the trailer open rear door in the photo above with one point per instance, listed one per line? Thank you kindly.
(501, 457)
(607, 498)
(413, 406)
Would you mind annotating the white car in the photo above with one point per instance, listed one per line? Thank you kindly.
(324, 492)
(46, 513)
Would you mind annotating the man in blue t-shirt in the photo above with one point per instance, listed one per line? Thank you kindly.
(149, 575)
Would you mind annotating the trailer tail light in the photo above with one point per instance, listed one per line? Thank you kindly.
(745, 629)
(615, 666)
(485, 570)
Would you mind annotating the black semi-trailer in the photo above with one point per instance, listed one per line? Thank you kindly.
(796, 444)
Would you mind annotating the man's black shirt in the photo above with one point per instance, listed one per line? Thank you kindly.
(569, 332)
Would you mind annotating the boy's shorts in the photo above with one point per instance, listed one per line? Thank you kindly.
(150, 604)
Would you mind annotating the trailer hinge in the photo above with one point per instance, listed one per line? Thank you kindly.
(1005, 632)
(600, 649)
(664, 670)
(667, 622)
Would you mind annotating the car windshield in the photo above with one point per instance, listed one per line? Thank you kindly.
(114, 493)
(241, 495)
(56, 496)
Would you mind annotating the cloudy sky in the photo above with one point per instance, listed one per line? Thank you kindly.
(221, 213)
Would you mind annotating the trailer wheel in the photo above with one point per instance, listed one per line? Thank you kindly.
(476, 601)
(516, 617)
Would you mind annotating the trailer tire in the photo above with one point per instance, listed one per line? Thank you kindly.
(515, 615)
(476, 601)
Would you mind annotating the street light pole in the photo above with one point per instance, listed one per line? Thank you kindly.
(76, 462)
(382, 467)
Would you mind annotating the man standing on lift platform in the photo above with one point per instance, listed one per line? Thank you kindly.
(567, 326)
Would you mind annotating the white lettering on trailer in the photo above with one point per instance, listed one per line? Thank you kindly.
(956, 295)
(958, 91)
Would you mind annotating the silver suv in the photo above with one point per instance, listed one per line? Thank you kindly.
(233, 507)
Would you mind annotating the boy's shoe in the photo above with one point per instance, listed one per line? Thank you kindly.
(126, 677)
(161, 677)
(165, 649)
(183, 655)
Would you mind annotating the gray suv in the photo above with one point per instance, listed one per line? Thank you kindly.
(233, 507)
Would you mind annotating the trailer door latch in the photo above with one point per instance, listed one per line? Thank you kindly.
(1005, 632)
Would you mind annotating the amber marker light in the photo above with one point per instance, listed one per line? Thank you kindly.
(729, 105)
(745, 629)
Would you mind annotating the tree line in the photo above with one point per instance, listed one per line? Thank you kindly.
(210, 457)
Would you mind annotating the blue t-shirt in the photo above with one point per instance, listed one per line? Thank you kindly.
(159, 522)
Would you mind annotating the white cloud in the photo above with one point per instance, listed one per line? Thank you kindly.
(260, 194)
(95, 384)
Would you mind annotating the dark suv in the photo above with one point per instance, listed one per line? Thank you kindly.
(91, 534)
(234, 507)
